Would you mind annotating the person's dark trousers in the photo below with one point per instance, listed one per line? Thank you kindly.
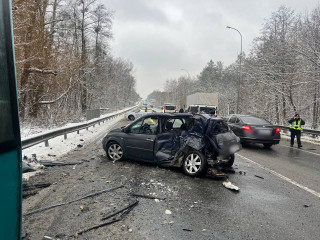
(293, 134)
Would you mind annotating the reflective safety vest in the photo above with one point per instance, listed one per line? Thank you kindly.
(295, 125)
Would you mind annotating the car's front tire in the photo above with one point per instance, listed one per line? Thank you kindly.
(131, 117)
(195, 164)
(114, 151)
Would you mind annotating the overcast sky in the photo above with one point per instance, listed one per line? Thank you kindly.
(160, 37)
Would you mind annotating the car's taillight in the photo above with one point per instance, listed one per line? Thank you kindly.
(246, 128)
(277, 130)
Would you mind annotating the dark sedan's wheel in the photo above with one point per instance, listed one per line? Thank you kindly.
(114, 151)
(229, 162)
(267, 145)
(195, 164)
(131, 117)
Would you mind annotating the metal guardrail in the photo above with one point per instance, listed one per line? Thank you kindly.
(29, 142)
(307, 131)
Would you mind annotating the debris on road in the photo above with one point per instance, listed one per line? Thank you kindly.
(65, 203)
(240, 172)
(228, 170)
(213, 172)
(130, 206)
(98, 226)
(168, 212)
(48, 163)
(187, 230)
(229, 185)
(306, 205)
(79, 145)
(146, 196)
(123, 212)
(27, 167)
(26, 236)
(32, 187)
(259, 176)
(52, 155)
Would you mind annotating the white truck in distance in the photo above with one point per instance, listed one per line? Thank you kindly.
(202, 102)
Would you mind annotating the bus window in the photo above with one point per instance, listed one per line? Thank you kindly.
(6, 128)
(10, 144)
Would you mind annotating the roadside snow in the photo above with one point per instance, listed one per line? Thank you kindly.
(59, 146)
(29, 132)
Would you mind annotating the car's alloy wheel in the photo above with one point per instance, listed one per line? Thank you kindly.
(114, 151)
(195, 164)
(131, 117)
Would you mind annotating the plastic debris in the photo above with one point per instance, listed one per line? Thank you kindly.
(168, 212)
(306, 205)
(157, 200)
(229, 185)
(130, 230)
(27, 167)
(259, 176)
(187, 230)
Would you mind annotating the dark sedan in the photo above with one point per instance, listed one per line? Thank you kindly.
(251, 129)
(181, 140)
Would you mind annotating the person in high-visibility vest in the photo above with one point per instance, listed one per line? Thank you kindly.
(295, 129)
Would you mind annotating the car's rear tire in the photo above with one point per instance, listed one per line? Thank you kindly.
(267, 145)
(229, 162)
(114, 151)
(195, 164)
(131, 117)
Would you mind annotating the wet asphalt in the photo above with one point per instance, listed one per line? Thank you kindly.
(278, 198)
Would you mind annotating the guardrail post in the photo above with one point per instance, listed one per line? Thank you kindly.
(65, 136)
(78, 131)
(87, 128)
(46, 143)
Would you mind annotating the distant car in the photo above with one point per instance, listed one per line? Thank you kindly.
(251, 129)
(201, 108)
(181, 140)
(137, 114)
(169, 108)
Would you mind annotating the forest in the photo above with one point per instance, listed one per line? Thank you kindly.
(280, 74)
(64, 65)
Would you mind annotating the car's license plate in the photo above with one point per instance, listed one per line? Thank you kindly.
(265, 132)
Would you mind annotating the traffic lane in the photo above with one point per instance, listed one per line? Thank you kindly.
(302, 167)
(268, 208)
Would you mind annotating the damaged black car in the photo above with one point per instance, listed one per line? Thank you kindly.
(183, 140)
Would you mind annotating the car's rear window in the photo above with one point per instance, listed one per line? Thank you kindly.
(170, 107)
(219, 127)
(208, 110)
(254, 120)
(193, 109)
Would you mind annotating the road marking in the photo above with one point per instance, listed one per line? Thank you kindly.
(300, 150)
(282, 177)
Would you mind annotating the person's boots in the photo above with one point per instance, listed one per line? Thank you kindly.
(300, 146)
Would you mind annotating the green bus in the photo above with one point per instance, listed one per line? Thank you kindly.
(10, 141)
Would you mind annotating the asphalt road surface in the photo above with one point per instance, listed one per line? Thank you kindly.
(278, 198)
